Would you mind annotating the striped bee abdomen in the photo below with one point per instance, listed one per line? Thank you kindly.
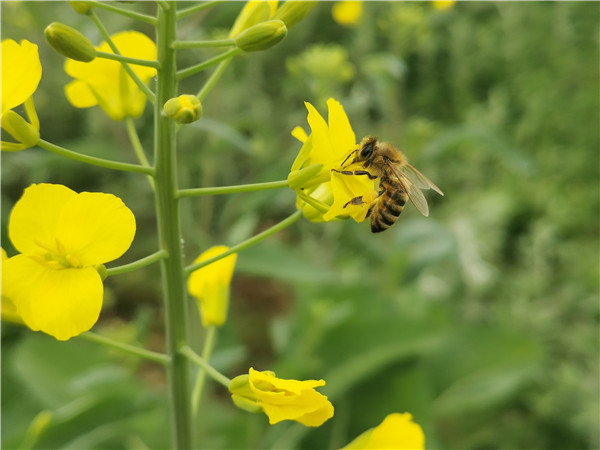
(387, 209)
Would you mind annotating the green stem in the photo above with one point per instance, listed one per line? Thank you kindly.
(200, 362)
(178, 45)
(169, 232)
(137, 145)
(146, 261)
(125, 12)
(194, 9)
(145, 89)
(209, 343)
(197, 192)
(126, 59)
(163, 4)
(130, 349)
(184, 73)
(247, 243)
(93, 160)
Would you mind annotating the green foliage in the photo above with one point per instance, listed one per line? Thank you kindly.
(481, 320)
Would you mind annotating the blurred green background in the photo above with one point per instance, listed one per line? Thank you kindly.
(481, 320)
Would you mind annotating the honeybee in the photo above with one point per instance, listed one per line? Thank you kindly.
(398, 182)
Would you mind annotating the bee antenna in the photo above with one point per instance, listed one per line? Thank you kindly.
(349, 157)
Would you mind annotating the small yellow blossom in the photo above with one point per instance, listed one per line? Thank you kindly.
(210, 285)
(397, 431)
(61, 236)
(441, 5)
(325, 197)
(281, 399)
(21, 74)
(105, 82)
(347, 12)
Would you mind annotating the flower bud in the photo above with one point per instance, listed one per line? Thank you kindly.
(261, 36)
(293, 11)
(20, 129)
(69, 42)
(252, 13)
(306, 177)
(81, 7)
(183, 109)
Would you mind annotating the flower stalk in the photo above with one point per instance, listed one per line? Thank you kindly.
(93, 160)
(248, 242)
(169, 230)
(198, 192)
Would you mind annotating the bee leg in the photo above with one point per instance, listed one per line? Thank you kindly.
(355, 201)
(355, 172)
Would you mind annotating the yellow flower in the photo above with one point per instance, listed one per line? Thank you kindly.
(104, 82)
(281, 399)
(210, 285)
(61, 236)
(347, 12)
(397, 431)
(441, 5)
(325, 196)
(21, 74)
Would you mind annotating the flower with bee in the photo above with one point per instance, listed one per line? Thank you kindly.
(336, 178)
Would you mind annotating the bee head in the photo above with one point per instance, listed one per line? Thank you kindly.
(366, 148)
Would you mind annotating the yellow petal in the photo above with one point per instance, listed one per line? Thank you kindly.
(34, 218)
(397, 431)
(21, 72)
(95, 228)
(210, 285)
(62, 303)
(340, 132)
(8, 310)
(80, 95)
(321, 143)
(108, 83)
(220, 271)
(300, 134)
(347, 187)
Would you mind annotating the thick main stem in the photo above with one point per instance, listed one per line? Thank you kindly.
(170, 233)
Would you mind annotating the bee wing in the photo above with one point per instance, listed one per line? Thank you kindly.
(420, 180)
(412, 189)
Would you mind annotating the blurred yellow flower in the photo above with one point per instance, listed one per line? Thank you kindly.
(210, 285)
(281, 399)
(347, 12)
(62, 235)
(20, 76)
(105, 83)
(325, 196)
(397, 431)
(441, 5)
